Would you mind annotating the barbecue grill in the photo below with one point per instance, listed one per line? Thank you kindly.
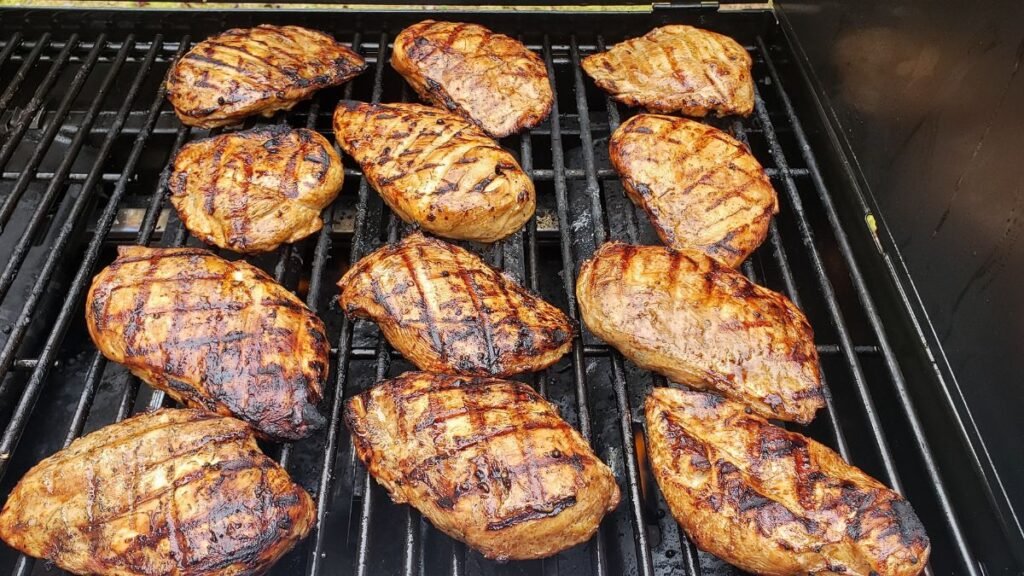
(86, 133)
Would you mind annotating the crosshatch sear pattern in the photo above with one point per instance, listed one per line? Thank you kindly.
(63, 207)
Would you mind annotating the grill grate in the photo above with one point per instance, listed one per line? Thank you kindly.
(77, 159)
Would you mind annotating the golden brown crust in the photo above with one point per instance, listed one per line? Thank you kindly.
(247, 71)
(700, 187)
(182, 492)
(771, 501)
(252, 191)
(677, 69)
(446, 310)
(487, 78)
(213, 334)
(487, 461)
(685, 315)
(437, 170)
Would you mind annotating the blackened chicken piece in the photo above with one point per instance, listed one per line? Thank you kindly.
(182, 492)
(252, 191)
(213, 334)
(490, 79)
(446, 310)
(489, 462)
(772, 501)
(244, 72)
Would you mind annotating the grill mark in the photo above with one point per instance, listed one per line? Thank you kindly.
(134, 318)
(270, 66)
(533, 513)
(483, 319)
(417, 471)
(238, 73)
(428, 315)
(210, 190)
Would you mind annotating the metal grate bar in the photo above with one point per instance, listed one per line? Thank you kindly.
(57, 183)
(316, 564)
(24, 243)
(19, 76)
(10, 202)
(963, 550)
(31, 391)
(569, 282)
(13, 42)
(22, 118)
(782, 260)
(640, 539)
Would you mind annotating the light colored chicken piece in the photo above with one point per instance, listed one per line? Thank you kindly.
(490, 79)
(252, 191)
(243, 72)
(686, 316)
(181, 492)
(677, 69)
(771, 501)
(701, 188)
(488, 462)
(446, 310)
(437, 170)
(213, 334)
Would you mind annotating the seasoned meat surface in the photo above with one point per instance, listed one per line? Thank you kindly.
(181, 492)
(686, 316)
(771, 501)
(677, 69)
(489, 462)
(701, 188)
(437, 170)
(243, 72)
(252, 191)
(490, 79)
(446, 310)
(213, 334)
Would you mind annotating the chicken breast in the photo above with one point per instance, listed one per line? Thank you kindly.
(446, 310)
(437, 170)
(181, 492)
(489, 79)
(677, 69)
(488, 462)
(701, 188)
(686, 316)
(774, 502)
(252, 191)
(243, 72)
(213, 334)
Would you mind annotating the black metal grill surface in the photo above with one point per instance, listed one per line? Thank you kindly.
(87, 133)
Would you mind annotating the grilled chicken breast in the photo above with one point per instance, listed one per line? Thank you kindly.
(180, 492)
(489, 79)
(677, 69)
(685, 315)
(243, 72)
(771, 501)
(701, 188)
(252, 191)
(488, 462)
(212, 334)
(446, 310)
(437, 170)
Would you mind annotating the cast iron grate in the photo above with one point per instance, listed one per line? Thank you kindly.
(86, 133)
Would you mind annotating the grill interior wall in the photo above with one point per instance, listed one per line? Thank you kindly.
(87, 134)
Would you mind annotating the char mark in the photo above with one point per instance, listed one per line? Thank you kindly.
(546, 510)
